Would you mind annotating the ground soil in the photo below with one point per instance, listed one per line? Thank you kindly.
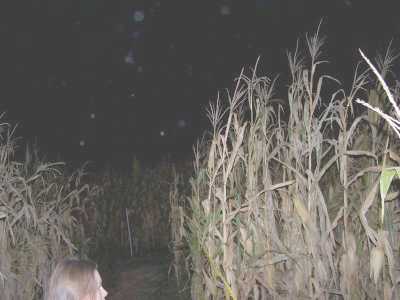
(146, 278)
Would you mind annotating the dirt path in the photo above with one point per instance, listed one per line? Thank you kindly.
(146, 278)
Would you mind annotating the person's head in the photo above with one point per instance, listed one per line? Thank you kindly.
(74, 279)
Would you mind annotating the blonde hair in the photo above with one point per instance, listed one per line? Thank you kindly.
(72, 279)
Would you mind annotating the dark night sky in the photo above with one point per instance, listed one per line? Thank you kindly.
(94, 72)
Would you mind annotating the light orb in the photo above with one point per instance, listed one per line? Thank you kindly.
(138, 16)
(225, 10)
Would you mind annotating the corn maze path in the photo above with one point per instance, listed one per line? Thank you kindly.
(146, 278)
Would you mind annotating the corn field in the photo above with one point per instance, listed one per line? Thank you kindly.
(140, 199)
(287, 200)
(41, 212)
(46, 215)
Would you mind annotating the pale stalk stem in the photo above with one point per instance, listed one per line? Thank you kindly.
(345, 200)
